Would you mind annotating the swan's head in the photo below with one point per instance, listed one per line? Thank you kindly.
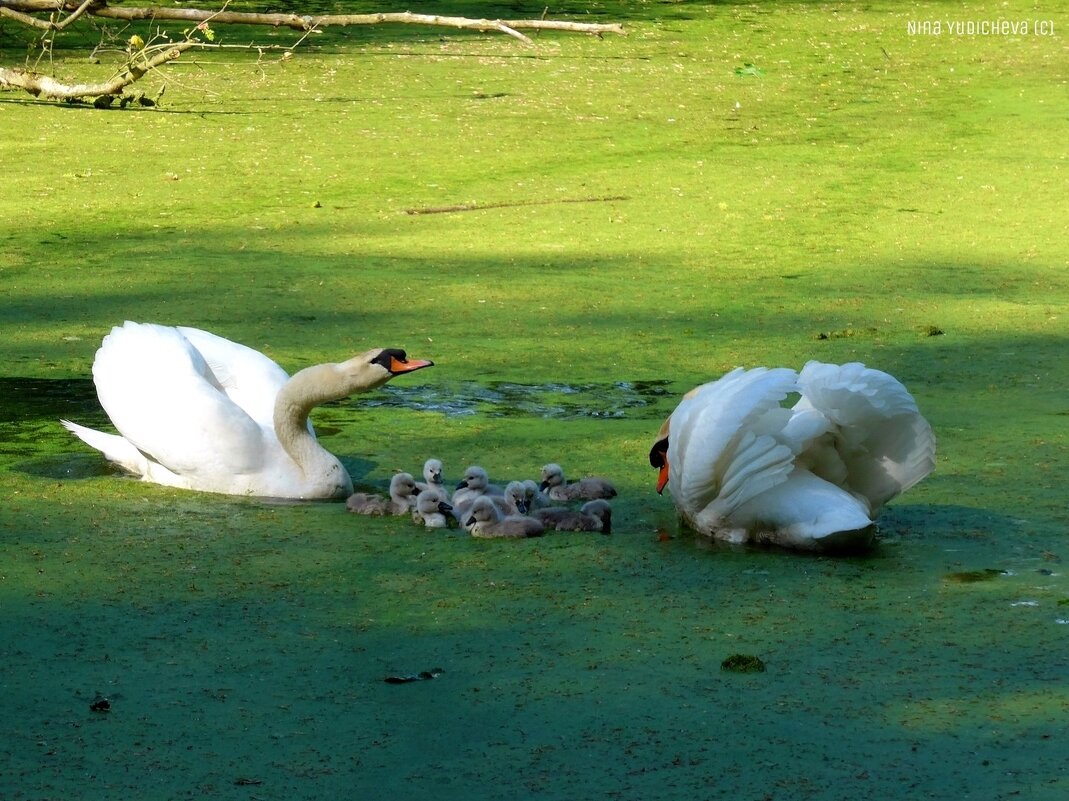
(552, 476)
(659, 455)
(376, 367)
(395, 361)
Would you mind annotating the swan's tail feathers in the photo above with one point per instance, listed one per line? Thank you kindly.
(115, 448)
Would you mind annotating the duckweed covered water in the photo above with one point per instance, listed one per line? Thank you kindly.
(857, 179)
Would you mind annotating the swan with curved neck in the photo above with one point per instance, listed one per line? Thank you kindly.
(744, 468)
(200, 412)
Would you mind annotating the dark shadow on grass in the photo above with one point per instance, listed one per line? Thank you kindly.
(693, 337)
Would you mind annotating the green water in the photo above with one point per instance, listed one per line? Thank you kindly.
(858, 190)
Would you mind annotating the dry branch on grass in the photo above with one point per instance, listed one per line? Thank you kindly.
(42, 85)
(37, 84)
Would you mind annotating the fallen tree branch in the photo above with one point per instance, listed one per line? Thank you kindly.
(511, 204)
(37, 84)
(99, 8)
(46, 24)
(139, 64)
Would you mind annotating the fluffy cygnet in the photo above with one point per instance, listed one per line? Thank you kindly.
(432, 509)
(585, 489)
(592, 516)
(515, 500)
(536, 499)
(401, 501)
(475, 484)
(486, 521)
(432, 478)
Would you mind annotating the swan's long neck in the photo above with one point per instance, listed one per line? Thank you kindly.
(303, 392)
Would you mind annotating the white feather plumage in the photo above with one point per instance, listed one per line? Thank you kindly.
(743, 468)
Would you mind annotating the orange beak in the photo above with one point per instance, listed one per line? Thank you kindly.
(662, 477)
(398, 366)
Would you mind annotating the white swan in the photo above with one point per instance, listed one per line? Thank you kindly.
(200, 412)
(742, 468)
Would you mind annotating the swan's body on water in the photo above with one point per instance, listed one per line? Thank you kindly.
(197, 411)
(742, 468)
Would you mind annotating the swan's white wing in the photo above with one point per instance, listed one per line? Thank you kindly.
(161, 395)
(723, 445)
(249, 379)
(880, 439)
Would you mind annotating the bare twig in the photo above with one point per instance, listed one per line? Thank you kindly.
(38, 85)
(510, 204)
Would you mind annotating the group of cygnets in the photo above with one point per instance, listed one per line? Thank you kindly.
(519, 509)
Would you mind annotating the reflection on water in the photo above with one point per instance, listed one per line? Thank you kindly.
(23, 400)
(617, 400)
(31, 408)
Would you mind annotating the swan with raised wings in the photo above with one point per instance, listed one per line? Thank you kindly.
(741, 467)
(200, 412)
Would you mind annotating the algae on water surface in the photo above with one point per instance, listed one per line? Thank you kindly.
(858, 181)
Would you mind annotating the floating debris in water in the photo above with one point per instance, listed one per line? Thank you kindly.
(433, 673)
(100, 704)
(847, 333)
(743, 663)
(973, 576)
(1025, 603)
